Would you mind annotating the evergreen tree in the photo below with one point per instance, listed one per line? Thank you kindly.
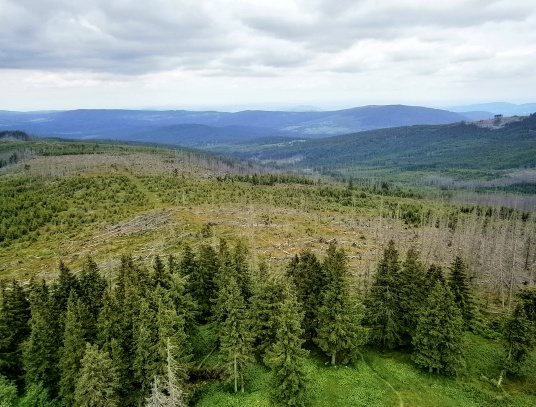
(61, 290)
(145, 353)
(188, 264)
(433, 275)
(339, 329)
(412, 294)
(72, 351)
(172, 340)
(265, 304)
(98, 382)
(241, 270)
(14, 329)
(91, 289)
(235, 332)
(161, 276)
(201, 284)
(309, 278)
(519, 333)
(8, 393)
(167, 388)
(438, 337)
(40, 351)
(36, 396)
(285, 355)
(383, 304)
(459, 286)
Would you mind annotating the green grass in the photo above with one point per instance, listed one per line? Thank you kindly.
(391, 379)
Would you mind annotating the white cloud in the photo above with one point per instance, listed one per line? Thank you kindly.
(240, 51)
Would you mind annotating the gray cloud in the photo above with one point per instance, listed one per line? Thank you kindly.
(129, 37)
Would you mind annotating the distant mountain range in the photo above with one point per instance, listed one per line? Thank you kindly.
(506, 109)
(202, 128)
(454, 146)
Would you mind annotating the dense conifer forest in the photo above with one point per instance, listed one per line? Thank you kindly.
(143, 276)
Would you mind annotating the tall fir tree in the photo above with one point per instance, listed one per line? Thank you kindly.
(40, 350)
(412, 293)
(265, 303)
(235, 332)
(14, 329)
(144, 363)
(91, 289)
(286, 356)
(459, 285)
(73, 349)
(519, 334)
(383, 314)
(339, 331)
(309, 278)
(161, 276)
(201, 283)
(98, 383)
(167, 388)
(437, 341)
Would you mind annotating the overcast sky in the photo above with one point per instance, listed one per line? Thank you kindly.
(235, 54)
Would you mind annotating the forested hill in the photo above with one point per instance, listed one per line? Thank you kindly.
(198, 128)
(459, 145)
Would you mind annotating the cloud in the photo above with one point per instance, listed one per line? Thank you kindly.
(350, 44)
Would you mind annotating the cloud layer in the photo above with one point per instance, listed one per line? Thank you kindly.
(305, 45)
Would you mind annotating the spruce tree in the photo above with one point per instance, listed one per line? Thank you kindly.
(73, 349)
(459, 286)
(98, 383)
(144, 363)
(161, 276)
(519, 333)
(383, 314)
(285, 355)
(308, 276)
(264, 309)
(40, 350)
(339, 331)
(201, 283)
(235, 332)
(14, 329)
(91, 289)
(167, 387)
(172, 340)
(437, 341)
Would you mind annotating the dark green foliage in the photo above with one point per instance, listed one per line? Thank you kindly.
(40, 351)
(235, 332)
(91, 286)
(459, 286)
(339, 332)
(36, 396)
(265, 303)
(412, 293)
(14, 329)
(98, 382)
(8, 393)
(383, 305)
(161, 276)
(285, 355)
(437, 341)
(433, 275)
(72, 351)
(201, 283)
(520, 332)
(309, 278)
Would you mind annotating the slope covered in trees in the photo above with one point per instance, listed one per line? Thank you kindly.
(459, 146)
(205, 277)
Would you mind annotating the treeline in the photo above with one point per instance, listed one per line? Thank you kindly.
(153, 336)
